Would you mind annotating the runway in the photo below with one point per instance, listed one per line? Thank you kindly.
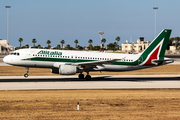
(98, 82)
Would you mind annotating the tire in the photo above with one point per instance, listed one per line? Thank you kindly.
(81, 76)
(88, 77)
(26, 75)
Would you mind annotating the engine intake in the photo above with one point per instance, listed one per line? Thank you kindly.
(65, 70)
(55, 70)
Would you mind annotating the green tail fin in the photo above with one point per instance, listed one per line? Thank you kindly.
(157, 48)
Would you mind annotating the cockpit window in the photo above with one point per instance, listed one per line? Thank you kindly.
(14, 53)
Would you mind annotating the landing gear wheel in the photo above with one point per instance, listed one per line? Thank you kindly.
(88, 77)
(26, 75)
(81, 76)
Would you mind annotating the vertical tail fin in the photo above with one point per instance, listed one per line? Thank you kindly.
(157, 48)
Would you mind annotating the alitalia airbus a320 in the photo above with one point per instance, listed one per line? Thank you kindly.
(66, 62)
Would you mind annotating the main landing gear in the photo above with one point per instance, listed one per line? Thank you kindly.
(88, 77)
(26, 74)
(81, 76)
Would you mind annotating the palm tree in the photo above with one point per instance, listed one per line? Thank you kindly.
(27, 45)
(34, 41)
(62, 42)
(115, 44)
(171, 41)
(39, 46)
(177, 39)
(90, 45)
(118, 39)
(58, 46)
(20, 40)
(68, 46)
(103, 40)
(76, 41)
(48, 42)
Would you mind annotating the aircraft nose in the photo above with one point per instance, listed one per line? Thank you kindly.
(6, 59)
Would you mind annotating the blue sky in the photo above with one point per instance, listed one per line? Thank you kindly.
(83, 19)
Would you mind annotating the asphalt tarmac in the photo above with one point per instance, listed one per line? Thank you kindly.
(97, 82)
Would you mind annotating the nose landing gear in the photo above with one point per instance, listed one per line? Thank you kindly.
(26, 74)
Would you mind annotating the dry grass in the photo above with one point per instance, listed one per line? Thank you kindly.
(19, 71)
(94, 104)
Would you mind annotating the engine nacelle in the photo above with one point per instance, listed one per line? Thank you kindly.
(65, 70)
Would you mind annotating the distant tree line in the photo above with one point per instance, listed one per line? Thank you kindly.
(174, 41)
(110, 46)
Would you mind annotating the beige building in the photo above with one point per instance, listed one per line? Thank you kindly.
(4, 47)
(135, 47)
(172, 48)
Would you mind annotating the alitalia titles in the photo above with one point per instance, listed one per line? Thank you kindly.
(44, 52)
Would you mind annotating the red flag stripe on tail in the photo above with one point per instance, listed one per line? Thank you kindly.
(153, 56)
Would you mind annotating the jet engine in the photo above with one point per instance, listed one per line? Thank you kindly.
(65, 70)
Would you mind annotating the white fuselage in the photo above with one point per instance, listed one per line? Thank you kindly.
(27, 57)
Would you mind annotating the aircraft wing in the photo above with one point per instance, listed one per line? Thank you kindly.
(93, 64)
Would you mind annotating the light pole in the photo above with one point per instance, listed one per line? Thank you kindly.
(101, 33)
(8, 25)
(155, 18)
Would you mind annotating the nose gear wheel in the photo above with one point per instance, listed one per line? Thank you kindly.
(26, 74)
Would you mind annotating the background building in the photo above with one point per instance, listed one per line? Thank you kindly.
(137, 47)
(4, 46)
